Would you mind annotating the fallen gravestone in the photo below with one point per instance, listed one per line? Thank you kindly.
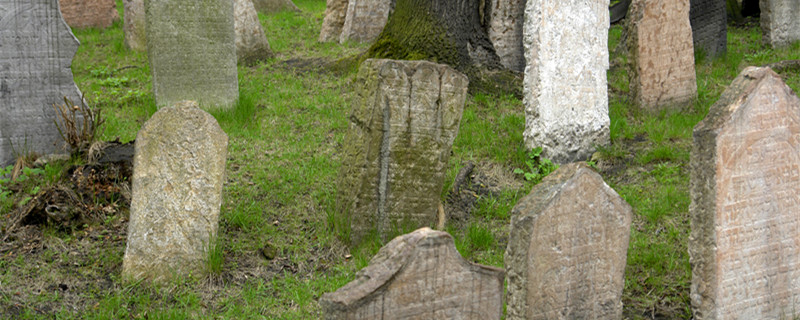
(419, 275)
(134, 25)
(780, 21)
(567, 249)
(709, 21)
(36, 51)
(505, 32)
(661, 54)
(396, 150)
(178, 172)
(273, 6)
(251, 42)
(365, 19)
(565, 88)
(745, 209)
(192, 51)
(89, 13)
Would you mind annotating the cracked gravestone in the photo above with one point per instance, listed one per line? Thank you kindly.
(419, 275)
(709, 21)
(568, 247)
(505, 32)
(395, 153)
(178, 173)
(565, 86)
(780, 22)
(251, 42)
(36, 51)
(191, 46)
(661, 54)
(89, 13)
(134, 24)
(745, 209)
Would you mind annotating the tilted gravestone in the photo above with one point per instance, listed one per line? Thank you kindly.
(134, 25)
(89, 13)
(565, 87)
(273, 6)
(191, 46)
(365, 20)
(36, 51)
(251, 42)
(661, 54)
(709, 21)
(419, 275)
(395, 153)
(505, 32)
(745, 209)
(780, 22)
(332, 23)
(567, 250)
(178, 173)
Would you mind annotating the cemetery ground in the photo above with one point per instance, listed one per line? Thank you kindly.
(276, 251)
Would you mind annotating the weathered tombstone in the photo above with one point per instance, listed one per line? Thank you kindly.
(178, 173)
(36, 51)
(419, 275)
(89, 13)
(335, 12)
(505, 32)
(134, 25)
(191, 46)
(251, 42)
(780, 21)
(567, 249)
(395, 153)
(565, 87)
(661, 55)
(709, 21)
(365, 20)
(745, 209)
(273, 6)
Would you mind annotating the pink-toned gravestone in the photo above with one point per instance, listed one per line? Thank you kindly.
(744, 245)
(89, 13)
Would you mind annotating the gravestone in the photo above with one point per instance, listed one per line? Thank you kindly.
(780, 22)
(332, 23)
(364, 20)
(419, 275)
(178, 173)
(661, 54)
(567, 249)
(251, 42)
(709, 21)
(191, 46)
(36, 51)
(565, 87)
(274, 6)
(505, 32)
(745, 209)
(89, 13)
(134, 25)
(396, 150)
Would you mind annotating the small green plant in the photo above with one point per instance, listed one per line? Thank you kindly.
(538, 167)
(79, 124)
(215, 257)
(114, 82)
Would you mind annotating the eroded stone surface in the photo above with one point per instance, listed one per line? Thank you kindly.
(365, 20)
(419, 275)
(505, 32)
(565, 86)
(568, 247)
(335, 12)
(192, 52)
(273, 6)
(178, 173)
(780, 21)
(745, 209)
(395, 153)
(36, 51)
(251, 42)
(661, 54)
(134, 24)
(709, 22)
(89, 13)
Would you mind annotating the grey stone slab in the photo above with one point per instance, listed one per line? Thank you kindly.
(780, 21)
(134, 25)
(505, 31)
(365, 19)
(709, 21)
(251, 42)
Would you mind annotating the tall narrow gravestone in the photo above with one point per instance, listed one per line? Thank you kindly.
(567, 250)
(178, 173)
(251, 42)
(36, 51)
(709, 21)
(192, 51)
(565, 87)
(89, 13)
(365, 20)
(780, 21)
(661, 54)
(396, 150)
(505, 32)
(134, 25)
(419, 275)
(744, 245)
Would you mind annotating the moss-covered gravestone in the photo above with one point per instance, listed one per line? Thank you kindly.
(395, 153)
(780, 21)
(192, 52)
(178, 173)
(251, 42)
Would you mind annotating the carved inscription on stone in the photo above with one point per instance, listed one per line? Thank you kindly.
(89, 13)
(780, 21)
(36, 51)
(709, 21)
(568, 247)
(365, 20)
(745, 189)
(192, 52)
(419, 275)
